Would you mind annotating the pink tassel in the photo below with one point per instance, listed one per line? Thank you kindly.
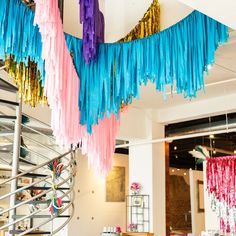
(62, 91)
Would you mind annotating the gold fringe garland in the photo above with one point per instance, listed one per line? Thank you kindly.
(27, 78)
(148, 25)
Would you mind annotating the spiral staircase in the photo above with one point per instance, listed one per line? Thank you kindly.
(28, 188)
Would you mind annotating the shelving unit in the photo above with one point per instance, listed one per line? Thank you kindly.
(138, 212)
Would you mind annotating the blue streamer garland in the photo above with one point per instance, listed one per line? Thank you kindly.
(178, 55)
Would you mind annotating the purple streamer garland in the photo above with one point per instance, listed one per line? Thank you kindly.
(93, 28)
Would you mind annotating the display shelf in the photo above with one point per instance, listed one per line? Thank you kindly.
(138, 213)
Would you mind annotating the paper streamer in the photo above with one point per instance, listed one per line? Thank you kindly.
(148, 25)
(221, 186)
(93, 28)
(62, 90)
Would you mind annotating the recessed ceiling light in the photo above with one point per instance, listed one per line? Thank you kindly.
(185, 173)
(173, 170)
(178, 169)
(212, 136)
(175, 147)
(214, 151)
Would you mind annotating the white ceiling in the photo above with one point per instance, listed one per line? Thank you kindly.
(223, 11)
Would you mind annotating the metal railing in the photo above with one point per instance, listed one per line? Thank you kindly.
(44, 189)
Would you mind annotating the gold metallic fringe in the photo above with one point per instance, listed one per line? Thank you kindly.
(27, 78)
(150, 24)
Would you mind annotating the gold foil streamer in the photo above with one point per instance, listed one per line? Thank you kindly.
(27, 78)
(148, 25)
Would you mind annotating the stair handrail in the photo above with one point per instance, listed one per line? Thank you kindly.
(32, 184)
(36, 167)
(62, 188)
(52, 218)
(33, 213)
(35, 197)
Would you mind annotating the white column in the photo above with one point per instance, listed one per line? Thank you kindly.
(159, 181)
(147, 166)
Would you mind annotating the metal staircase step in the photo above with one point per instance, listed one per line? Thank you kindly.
(6, 133)
(6, 102)
(41, 201)
(33, 232)
(34, 175)
(7, 118)
(42, 188)
(6, 148)
(4, 85)
(24, 160)
(40, 216)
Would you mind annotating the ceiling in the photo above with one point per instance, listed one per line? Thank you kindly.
(223, 11)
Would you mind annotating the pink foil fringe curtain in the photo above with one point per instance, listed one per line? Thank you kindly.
(62, 91)
(221, 185)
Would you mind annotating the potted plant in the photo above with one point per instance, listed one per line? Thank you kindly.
(135, 188)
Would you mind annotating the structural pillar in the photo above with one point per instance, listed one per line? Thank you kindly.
(147, 166)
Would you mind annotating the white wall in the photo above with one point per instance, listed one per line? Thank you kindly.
(198, 218)
(89, 204)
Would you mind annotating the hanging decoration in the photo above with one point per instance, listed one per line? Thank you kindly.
(221, 185)
(176, 56)
(55, 205)
(27, 78)
(56, 167)
(61, 79)
(100, 146)
(93, 28)
(148, 25)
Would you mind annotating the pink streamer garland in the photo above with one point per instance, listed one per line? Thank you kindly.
(62, 91)
(61, 80)
(221, 184)
(100, 146)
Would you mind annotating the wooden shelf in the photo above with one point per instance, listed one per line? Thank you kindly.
(137, 234)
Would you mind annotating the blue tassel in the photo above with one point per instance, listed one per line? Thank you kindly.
(176, 57)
